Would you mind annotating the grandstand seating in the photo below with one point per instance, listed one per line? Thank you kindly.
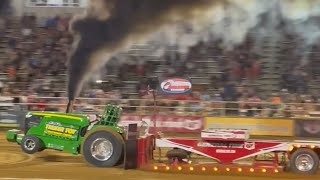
(275, 56)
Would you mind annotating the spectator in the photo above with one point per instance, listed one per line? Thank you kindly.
(256, 70)
(1, 87)
(37, 56)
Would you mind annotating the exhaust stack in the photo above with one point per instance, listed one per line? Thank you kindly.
(70, 106)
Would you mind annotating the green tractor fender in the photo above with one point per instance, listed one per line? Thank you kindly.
(119, 136)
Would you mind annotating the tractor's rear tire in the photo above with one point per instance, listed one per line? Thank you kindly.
(31, 144)
(102, 149)
(304, 161)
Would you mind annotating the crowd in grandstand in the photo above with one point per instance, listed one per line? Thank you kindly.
(36, 53)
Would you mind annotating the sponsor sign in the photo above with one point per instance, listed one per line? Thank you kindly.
(9, 118)
(225, 135)
(249, 145)
(165, 123)
(240, 145)
(56, 129)
(175, 86)
(307, 128)
(255, 126)
(220, 144)
(225, 151)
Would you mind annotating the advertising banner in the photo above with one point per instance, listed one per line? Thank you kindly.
(165, 123)
(307, 128)
(174, 86)
(9, 118)
(61, 130)
(256, 126)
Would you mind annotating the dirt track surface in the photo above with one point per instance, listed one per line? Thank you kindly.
(56, 165)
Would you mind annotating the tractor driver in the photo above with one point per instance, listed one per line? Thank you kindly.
(93, 119)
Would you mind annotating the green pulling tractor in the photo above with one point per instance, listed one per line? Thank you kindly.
(98, 138)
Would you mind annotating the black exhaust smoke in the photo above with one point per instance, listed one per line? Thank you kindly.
(110, 25)
(70, 106)
(4, 4)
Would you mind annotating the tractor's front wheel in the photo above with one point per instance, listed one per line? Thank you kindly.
(102, 149)
(31, 144)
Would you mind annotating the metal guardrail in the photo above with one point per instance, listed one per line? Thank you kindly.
(215, 113)
(176, 107)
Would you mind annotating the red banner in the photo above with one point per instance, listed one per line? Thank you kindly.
(166, 123)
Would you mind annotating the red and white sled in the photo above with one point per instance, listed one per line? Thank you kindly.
(228, 147)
